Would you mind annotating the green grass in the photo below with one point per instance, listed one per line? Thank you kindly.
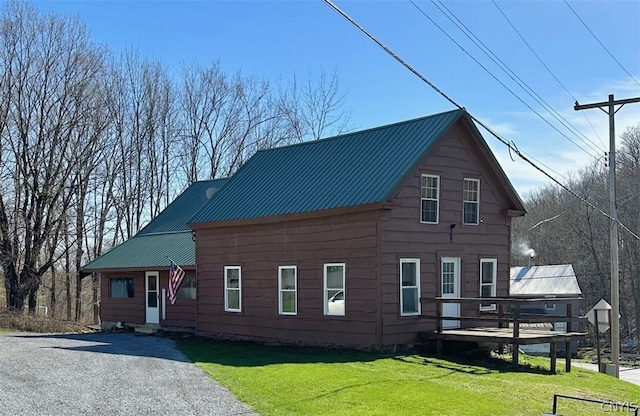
(307, 381)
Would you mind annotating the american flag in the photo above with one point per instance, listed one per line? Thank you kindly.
(176, 274)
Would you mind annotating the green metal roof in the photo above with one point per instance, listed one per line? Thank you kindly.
(144, 251)
(176, 215)
(166, 235)
(348, 170)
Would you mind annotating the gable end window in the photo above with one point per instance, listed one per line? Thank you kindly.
(121, 287)
(488, 279)
(287, 288)
(232, 288)
(334, 290)
(409, 287)
(471, 202)
(430, 199)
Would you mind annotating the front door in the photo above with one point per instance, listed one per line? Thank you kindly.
(151, 283)
(450, 288)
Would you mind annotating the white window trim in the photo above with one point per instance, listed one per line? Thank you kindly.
(430, 199)
(325, 294)
(227, 289)
(550, 306)
(476, 202)
(417, 263)
(494, 283)
(281, 290)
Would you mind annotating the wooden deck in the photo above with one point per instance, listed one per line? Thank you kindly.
(513, 327)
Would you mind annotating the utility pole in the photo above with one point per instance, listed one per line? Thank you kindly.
(611, 110)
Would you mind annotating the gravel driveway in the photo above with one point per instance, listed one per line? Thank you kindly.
(105, 374)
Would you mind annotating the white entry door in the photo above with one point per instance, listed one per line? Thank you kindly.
(450, 288)
(151, 284)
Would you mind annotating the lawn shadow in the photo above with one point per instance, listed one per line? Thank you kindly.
(115, 343)
(252, 354)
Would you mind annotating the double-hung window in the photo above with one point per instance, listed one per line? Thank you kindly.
(429, 199)
(287, 290)
(334, 290)
(232, 288)
(409, 287)
(488, 279)
(471, 202)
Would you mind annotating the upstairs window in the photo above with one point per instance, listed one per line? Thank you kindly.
(232, 288)
(471, 202)
(409, 287)
(287, 286)
(488, 279)
(334, 293)
(429, 201)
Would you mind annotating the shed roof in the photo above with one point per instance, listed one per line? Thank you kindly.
(358, 168)
(166, 235)
(556, 280)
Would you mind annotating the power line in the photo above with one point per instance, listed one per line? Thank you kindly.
(548, 69)
(496, 135)
(600, 42)
(514, 77)
(500, 82)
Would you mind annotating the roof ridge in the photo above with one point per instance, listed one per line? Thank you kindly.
(358, 132)
(161, 233)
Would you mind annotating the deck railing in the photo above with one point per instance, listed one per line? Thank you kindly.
(508, 313)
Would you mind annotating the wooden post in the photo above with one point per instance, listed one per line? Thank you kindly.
(516, 334)
(438, 328)
(567, 346)
(553, 354)
(500, 325)
(595, 315)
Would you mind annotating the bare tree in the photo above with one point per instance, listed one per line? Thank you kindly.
(48, 69)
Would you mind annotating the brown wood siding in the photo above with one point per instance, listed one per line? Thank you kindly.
(127, 310)
(454, 158)
(182, 314)
(307, 244)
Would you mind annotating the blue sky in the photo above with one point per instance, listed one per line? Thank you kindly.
(274, 39)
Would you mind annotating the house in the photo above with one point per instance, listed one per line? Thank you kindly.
(343, 241)
(134, 275)
(549, 282)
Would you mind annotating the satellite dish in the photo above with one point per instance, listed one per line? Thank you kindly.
(211, 191)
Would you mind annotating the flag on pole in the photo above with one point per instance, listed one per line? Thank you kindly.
(176, 274)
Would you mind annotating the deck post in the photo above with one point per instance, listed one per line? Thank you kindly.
(500, 325)
(516, 334)
(438, 328)
(552, 356)
(567, 346)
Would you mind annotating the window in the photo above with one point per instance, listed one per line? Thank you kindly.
(488, 275)
(334, 293)
(409, 287)
(429, 199)
(122, 287)
(287, 288)
(187, 288)
(232, 289)
(549, 306)
(471, 202)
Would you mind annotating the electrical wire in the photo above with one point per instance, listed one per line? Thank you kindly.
(548, 69)
(510, 73)
(476, 120)
(600, 42)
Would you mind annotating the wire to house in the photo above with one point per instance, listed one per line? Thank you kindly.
(548, 69)
(600, 42)
(511, 147)
(509, 73)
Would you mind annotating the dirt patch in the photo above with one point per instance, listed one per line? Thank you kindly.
(15, 321)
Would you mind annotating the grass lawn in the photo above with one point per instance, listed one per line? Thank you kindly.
(284, 381)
